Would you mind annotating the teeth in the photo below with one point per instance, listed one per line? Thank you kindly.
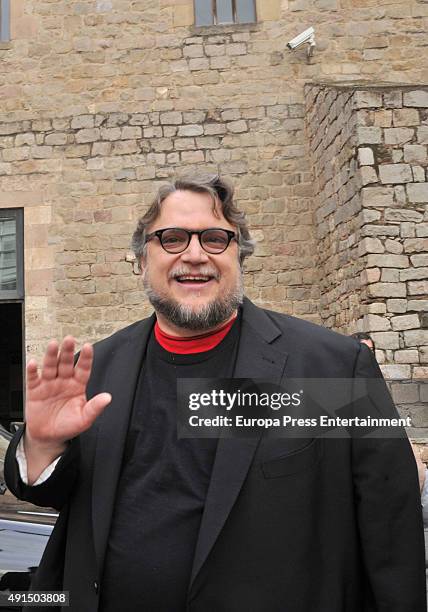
(193, 278)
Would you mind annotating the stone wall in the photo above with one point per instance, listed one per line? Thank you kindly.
(103, 100)
(370, 159)
(84, 180)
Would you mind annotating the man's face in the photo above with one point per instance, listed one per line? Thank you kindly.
(171, 280)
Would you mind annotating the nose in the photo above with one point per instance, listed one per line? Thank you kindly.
(194, 252)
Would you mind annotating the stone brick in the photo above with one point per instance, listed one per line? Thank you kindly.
(387, 261)
(367, 99)
(398, 136)
(377, 197)
(393, 99)
(415, 153)
(172, 118)
(386, 340)
(413, 274)
(237, 126)
(111, 133)
(193, 51)
(418, 287)
(16, 154)
(380, 230)
(422, 230)
(365, 156)
(393, 246)
(129, 133)
(406, 356)
(395, 173)
(369, 135)
(101, 148)
(405, 117)
(373, 322)
(236, 49)
(418, 98)
(419, 260)
(201, 63)
(87, 135)
(370, 275)
(192, 157)
(418, 305)
(370, 245)
(82, 121)
(410, 321)
(393, 290)
(407, 230)
(376, 308)
(416, 245)
(405, 393)
(418, 415)
(398, 214)
(41, 152)
(57, 138)
(396, 372)
(421, 372)
(418, 174)
(390, 275)
(423, 354)
(423, 134)
(416, 337)
(190, 130)
(368, 175)
(25, 139)
(396, 305)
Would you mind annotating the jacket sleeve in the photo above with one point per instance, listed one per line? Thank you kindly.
(388, 505)
(53, 492)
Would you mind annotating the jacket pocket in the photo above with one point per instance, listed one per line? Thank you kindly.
(294, 462)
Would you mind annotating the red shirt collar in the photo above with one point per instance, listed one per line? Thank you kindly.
(192, 344)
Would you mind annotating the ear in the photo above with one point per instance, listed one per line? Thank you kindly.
(142, 264)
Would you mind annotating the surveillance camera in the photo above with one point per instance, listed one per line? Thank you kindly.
(308, 36)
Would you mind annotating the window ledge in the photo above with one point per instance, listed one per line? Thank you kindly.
(5, 45)
(210, 30)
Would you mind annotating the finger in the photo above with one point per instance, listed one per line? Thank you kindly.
(50, 361)
(94, 407)
(32, 375)
(83, 367)
(66, 358)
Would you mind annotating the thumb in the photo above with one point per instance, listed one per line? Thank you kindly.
(95, 406)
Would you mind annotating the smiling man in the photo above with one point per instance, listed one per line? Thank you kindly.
(152, 522)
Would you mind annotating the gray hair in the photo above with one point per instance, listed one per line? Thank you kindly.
(219, 190)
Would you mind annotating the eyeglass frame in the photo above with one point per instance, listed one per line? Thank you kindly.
(158, 234)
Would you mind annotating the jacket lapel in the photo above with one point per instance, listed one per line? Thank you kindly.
(256, 359)
(120, 379)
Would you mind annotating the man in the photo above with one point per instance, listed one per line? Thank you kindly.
(149, 522)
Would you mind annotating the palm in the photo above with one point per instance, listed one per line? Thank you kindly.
(57, 408)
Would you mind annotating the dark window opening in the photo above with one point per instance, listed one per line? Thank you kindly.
(11, 378)
(4, 20)
(218, 12)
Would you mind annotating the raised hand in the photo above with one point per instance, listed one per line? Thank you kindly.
(57, 409)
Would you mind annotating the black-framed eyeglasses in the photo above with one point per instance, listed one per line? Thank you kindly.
(213, 240)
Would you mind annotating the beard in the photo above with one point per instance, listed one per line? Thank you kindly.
(205, 317)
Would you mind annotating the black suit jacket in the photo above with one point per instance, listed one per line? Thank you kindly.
(290, 525)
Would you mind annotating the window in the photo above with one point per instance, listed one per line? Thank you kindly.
(214, 12)
(4, 20)
(11, 255)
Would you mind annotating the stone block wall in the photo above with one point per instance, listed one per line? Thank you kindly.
(84, 180)
(103, 100)
(370, 156)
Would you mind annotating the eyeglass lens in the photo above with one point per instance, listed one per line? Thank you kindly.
(212, 240)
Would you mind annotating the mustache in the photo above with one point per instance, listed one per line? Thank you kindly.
(202, 271)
